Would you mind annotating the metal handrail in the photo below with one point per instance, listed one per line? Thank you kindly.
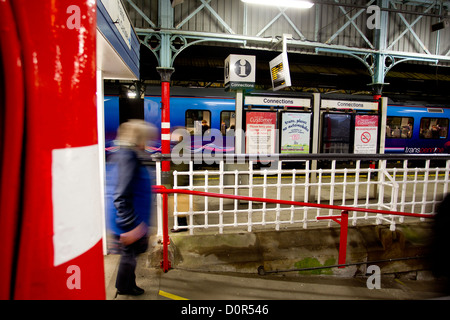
(341, 219)
(309, 156)
(289, 202)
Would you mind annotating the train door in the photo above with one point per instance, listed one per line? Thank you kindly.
(131, 108)
(227, 129)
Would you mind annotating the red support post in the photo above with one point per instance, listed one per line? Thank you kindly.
(165, 263)
(165, 123)
(165, 74)
(343, 238)
(343, 222)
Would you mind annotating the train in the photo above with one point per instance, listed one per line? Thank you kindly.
(409, 129)
(186, 112)
(417, 130)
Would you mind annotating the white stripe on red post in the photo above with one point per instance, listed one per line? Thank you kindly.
(77, 220)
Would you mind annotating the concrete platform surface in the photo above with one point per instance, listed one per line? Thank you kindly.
(178, 284)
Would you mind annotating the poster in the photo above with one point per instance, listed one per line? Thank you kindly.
(260, 132)
(295, 132)
(366, 134)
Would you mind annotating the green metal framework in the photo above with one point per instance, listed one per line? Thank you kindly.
(166, 40)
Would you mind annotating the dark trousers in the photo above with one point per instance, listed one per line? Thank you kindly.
(126, 277)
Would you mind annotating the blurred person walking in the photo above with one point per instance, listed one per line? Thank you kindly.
(129, 200)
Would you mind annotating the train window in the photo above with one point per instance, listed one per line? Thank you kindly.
(433, 128)
(196, 121)
(399, 127)
(227, 121)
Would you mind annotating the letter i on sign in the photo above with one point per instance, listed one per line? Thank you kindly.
(242, 67)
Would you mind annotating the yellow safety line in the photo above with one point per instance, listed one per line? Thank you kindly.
(171, 296)
(396, 280)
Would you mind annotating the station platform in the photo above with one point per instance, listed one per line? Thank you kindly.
(225, 267)
(178, 284)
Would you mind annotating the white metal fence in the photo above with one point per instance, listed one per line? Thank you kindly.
(403, 183)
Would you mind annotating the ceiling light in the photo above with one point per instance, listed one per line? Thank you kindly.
(299, 4)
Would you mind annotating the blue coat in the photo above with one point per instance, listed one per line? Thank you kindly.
(128, 192)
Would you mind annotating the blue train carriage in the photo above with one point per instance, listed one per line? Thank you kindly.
(186, 113)
(417, 130)
(151, 113)
(207, 119)
(111, 105)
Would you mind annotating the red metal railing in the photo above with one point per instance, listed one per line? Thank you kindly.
(341, 219)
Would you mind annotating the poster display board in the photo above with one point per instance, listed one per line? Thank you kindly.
(366, 134)
(336, 128)
(295, 132)
(260, 132)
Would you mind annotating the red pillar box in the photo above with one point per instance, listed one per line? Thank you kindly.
(60, 247)
(11, 135)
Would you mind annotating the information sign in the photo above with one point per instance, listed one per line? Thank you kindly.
(240, 72)
(277, 101)
(338, 104)
(366, 134)
(279, 72)
(119, 15)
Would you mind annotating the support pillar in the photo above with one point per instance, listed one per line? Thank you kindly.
(165, 74)
(315, 145)
(377, 90)
(379, 63)
(379, 70)
(240, 139)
